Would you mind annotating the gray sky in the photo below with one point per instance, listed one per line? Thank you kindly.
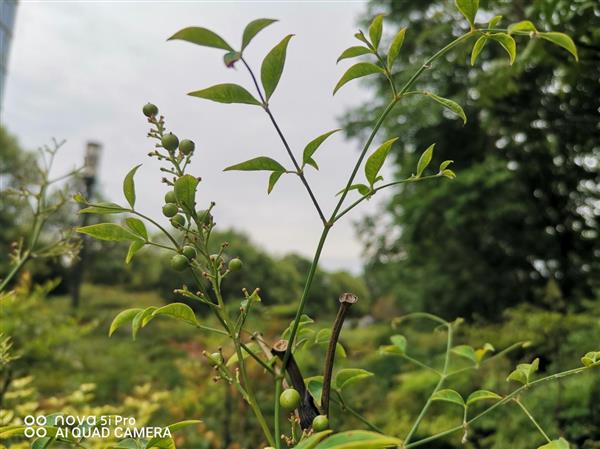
(83, 70)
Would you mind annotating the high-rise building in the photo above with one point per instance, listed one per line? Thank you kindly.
(8, 9)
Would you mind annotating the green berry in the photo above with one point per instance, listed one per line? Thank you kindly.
(150, 110)
(170, 141)
(189, 252)
(179, 262)
(186, 146)
(205, 216)
(320, 423)
(178, 221)
(289, 399)
(235, 264)
(216, 358)
(170, 210)
(170, 197)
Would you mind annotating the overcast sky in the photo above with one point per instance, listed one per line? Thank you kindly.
(83, 70)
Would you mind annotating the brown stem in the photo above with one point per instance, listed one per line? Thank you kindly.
(346, 300)
(307, 409)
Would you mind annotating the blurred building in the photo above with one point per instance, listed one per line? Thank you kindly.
(8, 9)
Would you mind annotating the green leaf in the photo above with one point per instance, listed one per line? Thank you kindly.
(495, 20)
(482, 395)
(103, 209)
(201, 36)
(376, 160)
(348, 376)
(253, 346)
(445, 164)
(524, 25)
(591, 359)
(479, 44)
(562, 40)
(399, 341)
(182, 424)
(129, 186)
(524, 371)
(179, 311)
(141, 319)
(272, 66)
(481, 352)
(313, 440)
(395, 47)
(561, 443)
(398, 345)
(185, 191)
(465, 351)
(258, 164)
(41, 443)
(358, 439)
(449, 104)
(448, 395)
(226, 93)
(313, 145)
(508, 43)
(134, 247)
(353, 52)
(253, 28)
(375, 30)
(424, 160)
(357, 71)
(315, 387)
(108, 231)
(468, 8)
(122, 318)
(273, 180)
(137, 226)
(363, 189)
(448, 174)
(230, 58)
(361, 37)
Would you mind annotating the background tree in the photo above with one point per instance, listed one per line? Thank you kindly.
(520, 223)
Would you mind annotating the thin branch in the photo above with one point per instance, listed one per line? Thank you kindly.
(299, 171)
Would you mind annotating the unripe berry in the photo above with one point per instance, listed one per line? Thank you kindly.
(320, 423)
(289, 399)
(170, 210)
(216, 358)
(170, 197)
(179, 262)
(170, 141)
(186, 146)
(235, 264)
(150, 110)
(178, 221)
(205, 216)
(189, 252)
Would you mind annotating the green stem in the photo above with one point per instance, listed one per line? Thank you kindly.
(532, 419)
(294, 331)
(285, 144)
(22, 261)
(342, 404)
(498, 404)
(421, 364)
(363, 153)
(436, 389)
(250, 395)
(395, 183)
(163, 230)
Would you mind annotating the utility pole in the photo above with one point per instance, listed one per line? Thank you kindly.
(89, 174)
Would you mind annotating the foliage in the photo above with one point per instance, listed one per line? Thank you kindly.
(518, 219)
(237, 323)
